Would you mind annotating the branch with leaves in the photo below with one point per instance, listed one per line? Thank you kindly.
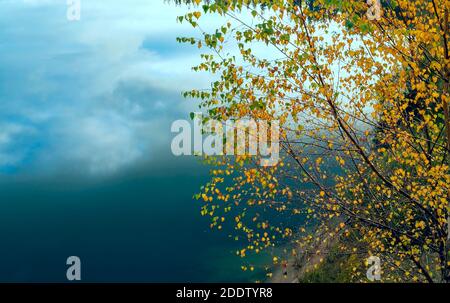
(365, 126)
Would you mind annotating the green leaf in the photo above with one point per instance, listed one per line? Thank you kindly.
(349, 24)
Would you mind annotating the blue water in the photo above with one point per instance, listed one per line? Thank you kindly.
(142, 226)
(64, 87)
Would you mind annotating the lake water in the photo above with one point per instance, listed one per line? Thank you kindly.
(93, 96)
(142, 226)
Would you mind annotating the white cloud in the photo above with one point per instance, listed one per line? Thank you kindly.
(103, 91)
(107, 142)
(64, 77)
(9, 134)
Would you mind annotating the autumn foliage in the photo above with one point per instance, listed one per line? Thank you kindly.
(365, 127)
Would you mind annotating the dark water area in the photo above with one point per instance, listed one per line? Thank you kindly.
(139, 227)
